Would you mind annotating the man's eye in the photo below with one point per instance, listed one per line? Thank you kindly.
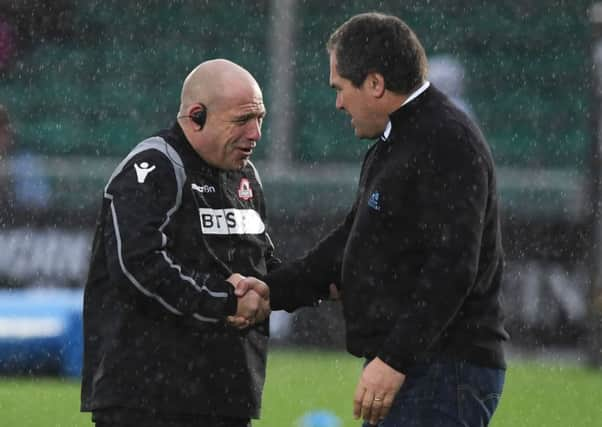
(244, 120)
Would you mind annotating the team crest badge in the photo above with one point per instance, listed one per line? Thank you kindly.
(374, 201)
(245, 192)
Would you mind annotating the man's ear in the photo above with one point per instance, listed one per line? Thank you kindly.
(375, 83)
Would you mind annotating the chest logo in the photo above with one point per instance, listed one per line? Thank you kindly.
(142, 171)
(203, 188)
(231, 221)
(245, 192)
(374, 201)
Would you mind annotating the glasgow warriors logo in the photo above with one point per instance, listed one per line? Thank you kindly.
(373, 202)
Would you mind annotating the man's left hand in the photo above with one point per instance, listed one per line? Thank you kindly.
(376, 390)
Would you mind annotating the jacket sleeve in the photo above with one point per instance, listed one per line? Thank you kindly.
(452, 194)
(271, 260)
(143, 194)
(304, 282)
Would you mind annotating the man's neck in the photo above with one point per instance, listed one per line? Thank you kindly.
(396, 100)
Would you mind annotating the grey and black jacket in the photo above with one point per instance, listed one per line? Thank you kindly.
(170, 231)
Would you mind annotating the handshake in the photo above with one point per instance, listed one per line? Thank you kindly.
(253, 301)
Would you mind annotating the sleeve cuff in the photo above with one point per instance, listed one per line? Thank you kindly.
(286, 295)
(400, 363)
(214, 303)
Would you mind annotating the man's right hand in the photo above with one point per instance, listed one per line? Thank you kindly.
(247, 284)
(253, 307)
(253, 301)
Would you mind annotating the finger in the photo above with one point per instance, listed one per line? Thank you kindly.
(254, 318)
(258, 286)
(244, 286)
(260, 316)
(377, 405)
(241, 288)
(358, 397)
(367, 403)
(386, 406)
(238, 322)
(263, 312)
(235, 278)
(265, 307)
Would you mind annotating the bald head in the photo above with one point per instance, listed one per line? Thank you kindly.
(234, 111)
(214, 81)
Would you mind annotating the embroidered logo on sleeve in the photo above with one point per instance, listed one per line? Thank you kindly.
(142, 171)
(245, 192)
(374, 201)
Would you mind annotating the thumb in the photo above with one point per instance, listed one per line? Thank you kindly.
(241, 288)
(252, 283)
(235, 280)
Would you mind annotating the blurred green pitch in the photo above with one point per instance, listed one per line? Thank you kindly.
(536, 394)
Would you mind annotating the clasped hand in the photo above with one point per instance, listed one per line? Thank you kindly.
(253, 301)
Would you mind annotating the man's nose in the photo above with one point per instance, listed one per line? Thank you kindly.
(339, 102)
(254, 130)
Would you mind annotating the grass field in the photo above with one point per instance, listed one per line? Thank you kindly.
(536, 394)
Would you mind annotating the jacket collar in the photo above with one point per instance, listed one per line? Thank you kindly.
(409, 107)
(192, 160)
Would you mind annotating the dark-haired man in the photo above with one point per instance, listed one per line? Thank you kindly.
(418, 258)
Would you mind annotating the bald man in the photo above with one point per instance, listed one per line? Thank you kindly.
(168, 338)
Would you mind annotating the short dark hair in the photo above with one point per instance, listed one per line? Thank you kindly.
(374, 42)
